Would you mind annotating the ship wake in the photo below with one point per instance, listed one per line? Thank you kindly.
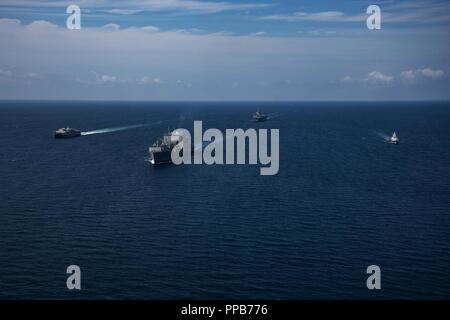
(382, 135)
(123, 128)
(274, 115)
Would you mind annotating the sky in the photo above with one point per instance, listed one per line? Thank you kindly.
(258, 50)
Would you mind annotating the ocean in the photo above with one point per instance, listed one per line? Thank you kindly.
(343, 199)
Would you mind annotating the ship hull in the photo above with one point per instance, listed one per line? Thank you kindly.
(67, 136)
(160, 157)
(261, 119)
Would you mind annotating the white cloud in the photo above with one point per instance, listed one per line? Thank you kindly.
(316, 16)
(5, 73)
(38, 28)
(422, 11)
(34, 75)
(408, 77)
(259, 34)
(150, 29)
(20, 76)
(42, 25)
(6, 24)
(185, 84)
(346, 79)
(103, 79)
(377, 77)
(124, 11)
(111, 27)
(107, 79)
(215, 60)
(413, 76)
(223, 33)
(150, 80)
(133, 6)
(430, 73)
(187, 31)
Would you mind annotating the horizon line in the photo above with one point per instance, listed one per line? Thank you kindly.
(217, 101)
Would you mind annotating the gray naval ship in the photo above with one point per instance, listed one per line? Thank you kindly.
(160, 152)
(260, 117)
(394, 139)
(64, 133)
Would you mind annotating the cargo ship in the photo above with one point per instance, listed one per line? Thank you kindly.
(161, 150)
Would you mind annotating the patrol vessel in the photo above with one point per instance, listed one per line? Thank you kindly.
(394, 139)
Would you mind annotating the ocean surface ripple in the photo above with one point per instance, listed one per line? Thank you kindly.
(343, 199)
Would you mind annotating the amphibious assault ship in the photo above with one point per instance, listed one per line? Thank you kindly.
(67, 132)
(260, 117)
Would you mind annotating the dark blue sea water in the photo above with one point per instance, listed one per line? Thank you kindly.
(343, 200)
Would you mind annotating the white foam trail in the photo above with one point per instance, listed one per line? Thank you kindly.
(382, 135)
(274, 115)
(115, 129)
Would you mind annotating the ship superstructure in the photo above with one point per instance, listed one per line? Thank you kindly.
(161, 150)
(67, 132)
